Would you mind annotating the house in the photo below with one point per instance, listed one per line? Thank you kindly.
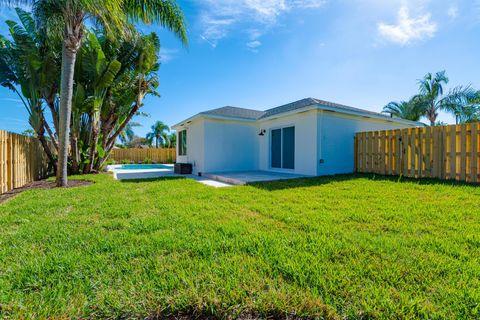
(307, 137)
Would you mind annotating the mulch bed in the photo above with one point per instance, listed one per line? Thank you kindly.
(42, 185)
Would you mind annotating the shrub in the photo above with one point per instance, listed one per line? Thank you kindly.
(147, 161)
(125, 161)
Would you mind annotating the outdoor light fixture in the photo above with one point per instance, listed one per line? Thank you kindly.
(262, 132)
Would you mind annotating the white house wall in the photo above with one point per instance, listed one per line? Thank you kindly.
(305, 141)
(230, 146)
(195, 145)
(336, 139)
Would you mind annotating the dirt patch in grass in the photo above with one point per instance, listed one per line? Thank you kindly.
(42, 185)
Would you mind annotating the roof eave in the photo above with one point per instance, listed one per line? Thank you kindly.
(343, 111)
(369, 115)
(210, 116)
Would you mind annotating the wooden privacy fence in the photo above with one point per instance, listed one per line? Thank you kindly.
(160, 155)
(22, 160)
(443, 152)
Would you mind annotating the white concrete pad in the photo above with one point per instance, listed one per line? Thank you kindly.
(210, 182)
(165, 171)
(245, 177)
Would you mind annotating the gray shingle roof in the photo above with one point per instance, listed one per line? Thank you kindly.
(308, 102)
(234, 112)
(249, 114)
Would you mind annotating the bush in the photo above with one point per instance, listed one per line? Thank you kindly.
(147, 161)
(125, 161)
(110, 162)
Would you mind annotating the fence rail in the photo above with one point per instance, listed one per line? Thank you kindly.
(22, 160)
(443, 152)
(161, 155)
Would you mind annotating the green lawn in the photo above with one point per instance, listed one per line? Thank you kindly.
(344, 247)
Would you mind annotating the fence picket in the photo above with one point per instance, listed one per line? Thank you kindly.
(412, 148)
(420, 152)
(474, 153)
(463, 153)
(452, 160)
(364, 153)
(428, 152)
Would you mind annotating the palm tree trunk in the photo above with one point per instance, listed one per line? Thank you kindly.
(111, 141)
(50, 133)
(113, 138)
(75, 154)
(51, 105)
(47, 150)
(68, 66)
(93, 148)
(433, 115)
(45, 146)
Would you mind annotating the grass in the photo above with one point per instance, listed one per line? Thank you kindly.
(339, 247)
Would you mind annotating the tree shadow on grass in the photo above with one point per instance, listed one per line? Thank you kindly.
(317, 181)
(152, 179)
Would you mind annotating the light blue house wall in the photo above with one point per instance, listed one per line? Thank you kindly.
(336, 133)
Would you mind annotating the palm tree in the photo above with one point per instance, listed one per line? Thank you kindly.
(173, 139)
(159, 133)
(432, 98)
(128, 134)
(464, 104)
(408, 110)
(114, 15)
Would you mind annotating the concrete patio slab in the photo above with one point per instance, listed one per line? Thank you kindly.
(246, 177)
(167, 171)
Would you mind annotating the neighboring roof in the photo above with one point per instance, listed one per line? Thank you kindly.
(308, 103)
(234, 112)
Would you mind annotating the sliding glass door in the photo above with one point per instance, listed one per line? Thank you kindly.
(283, 148)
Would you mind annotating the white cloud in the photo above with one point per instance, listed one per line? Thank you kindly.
(218, 17)
(254, 45)
(408, 29)
(167, 55)
(215, 29)
(453, 12)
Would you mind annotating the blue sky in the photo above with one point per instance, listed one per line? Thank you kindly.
(263, 53)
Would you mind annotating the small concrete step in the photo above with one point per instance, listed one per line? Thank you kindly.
(221, 178)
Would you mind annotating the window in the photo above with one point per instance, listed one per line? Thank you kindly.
(283, 148)
(182, 145)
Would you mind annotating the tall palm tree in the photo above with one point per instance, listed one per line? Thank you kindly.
(159, 133)
(408, 110)
(432, 98)
(115, 16)
(431, 91)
